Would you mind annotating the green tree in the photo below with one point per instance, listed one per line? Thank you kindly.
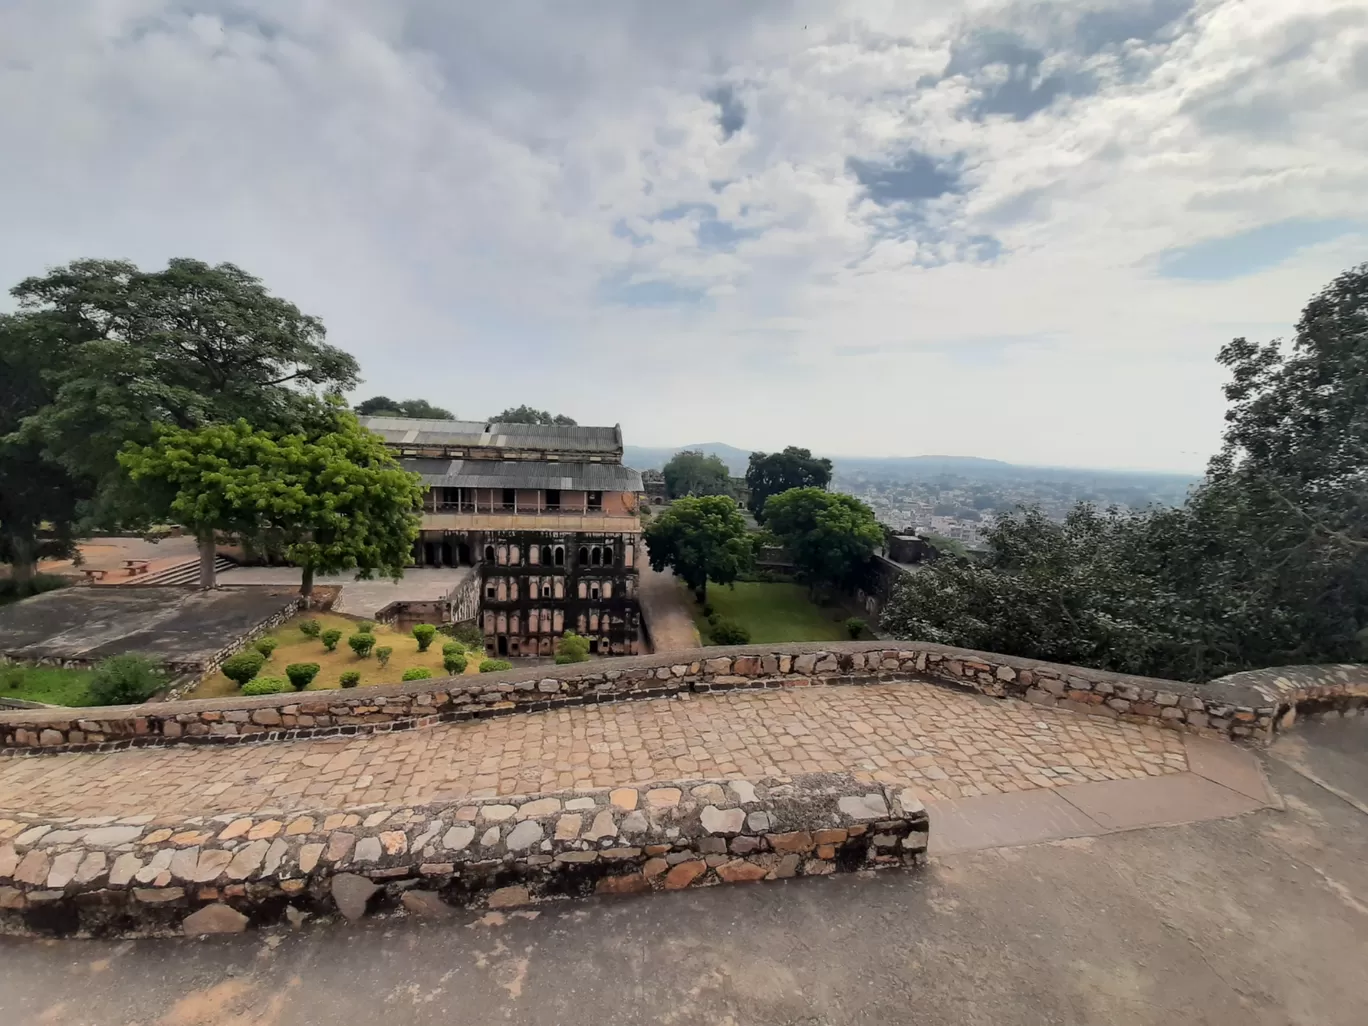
(772, 473)
(528, 415)
(830, 536)
(696, 473)
(418, 409)
(701, 539)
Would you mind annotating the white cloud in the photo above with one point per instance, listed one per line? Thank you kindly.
(472, 199)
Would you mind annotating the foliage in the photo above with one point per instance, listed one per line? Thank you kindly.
(310, 628)
(572, 648)
(331, 637)
(702, 539)
(265, 646)
(349, 678)
(243, 666)
(301, 674)
(11, 676)
(773, 473)
(728, 632)
(51, 685)
(382, 655)
(125, 680)
(365, 626)
(695, 473)
(11, 589)
(270, 685)
(453, 648)
(361, 643)
(527, 415)
(424, 632)
(419, 409)
(855, 626)
(494, 665)
(831, 537)
(454, 663)
(417, 673)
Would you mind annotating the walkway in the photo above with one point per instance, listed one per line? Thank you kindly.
(943, 743)
(665, 611)
(361, 598)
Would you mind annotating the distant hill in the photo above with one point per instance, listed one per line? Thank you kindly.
(640, 457)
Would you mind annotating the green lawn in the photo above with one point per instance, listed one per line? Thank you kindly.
(46, 684)
(773, 612)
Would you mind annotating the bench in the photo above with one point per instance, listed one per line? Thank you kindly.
(136, 566)
(94, 575)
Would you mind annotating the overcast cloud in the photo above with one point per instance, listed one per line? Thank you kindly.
(1015, 230)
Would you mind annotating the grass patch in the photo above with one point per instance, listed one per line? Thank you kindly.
(48, 684)
(772, 613)
(294, 647)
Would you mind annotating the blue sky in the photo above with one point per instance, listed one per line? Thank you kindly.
(1011, 230)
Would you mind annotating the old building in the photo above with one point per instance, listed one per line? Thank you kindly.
(548, 514)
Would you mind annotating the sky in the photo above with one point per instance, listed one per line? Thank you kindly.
(1001, 229)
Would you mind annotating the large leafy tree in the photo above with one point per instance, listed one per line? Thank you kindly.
(418, 409)
(695, 473)
(830, 537)
(528, 415)
(189, 345)
(701, 538)
(771, 473)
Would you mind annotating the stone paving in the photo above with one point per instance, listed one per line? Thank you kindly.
(943, 743)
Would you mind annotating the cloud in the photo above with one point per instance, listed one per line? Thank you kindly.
(797, 221)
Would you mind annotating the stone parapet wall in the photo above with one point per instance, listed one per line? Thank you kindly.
(1246, 705)
(175, 874)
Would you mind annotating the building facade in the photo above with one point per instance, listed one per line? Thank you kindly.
(547, 514)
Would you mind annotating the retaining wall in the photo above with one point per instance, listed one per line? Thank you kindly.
(1244, 705)
(193, 875)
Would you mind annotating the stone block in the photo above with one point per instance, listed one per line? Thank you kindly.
(683, 874)
(352, 894)
(630, 883)
(214, 919)
(741, 871)
(795, 841)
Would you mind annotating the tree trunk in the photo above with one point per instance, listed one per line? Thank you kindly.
(24, 566)
(306, 585)
(701, 592)
(207, 555)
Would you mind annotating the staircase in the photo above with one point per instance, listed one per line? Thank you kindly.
(181, 573)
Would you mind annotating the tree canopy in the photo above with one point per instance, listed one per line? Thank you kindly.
(527, 415)
(829, 536)
(1265, 564)
(771, 473)
(695, 473)
(417, 409)
(701, 538)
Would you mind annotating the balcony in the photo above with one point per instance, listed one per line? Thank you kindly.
(465, 517)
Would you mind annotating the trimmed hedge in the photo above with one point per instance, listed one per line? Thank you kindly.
(266, 686)
(244, 666)
(417, 673)
(349, 678)
(495, 665)
(302, 674)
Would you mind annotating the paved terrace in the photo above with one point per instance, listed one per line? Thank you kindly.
(944, 743)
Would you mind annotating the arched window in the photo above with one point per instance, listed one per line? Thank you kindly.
(608, 556)
(546, 555)
(596, 556)
(584, 556)
(560, 555)
(489, 553)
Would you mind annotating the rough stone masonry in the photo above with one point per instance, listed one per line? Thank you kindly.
(140, 874)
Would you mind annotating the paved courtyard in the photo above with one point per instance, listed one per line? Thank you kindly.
(944, 743)
(357, 597)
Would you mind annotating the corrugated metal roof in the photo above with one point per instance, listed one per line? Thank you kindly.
(417, 432)
(575, 477)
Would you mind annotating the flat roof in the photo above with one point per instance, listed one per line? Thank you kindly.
(420, 432)
(577, 477)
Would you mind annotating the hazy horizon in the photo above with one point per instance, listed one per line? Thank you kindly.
(1011, 229)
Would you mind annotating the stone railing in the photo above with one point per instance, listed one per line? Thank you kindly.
(192, 875)
(1245, 705)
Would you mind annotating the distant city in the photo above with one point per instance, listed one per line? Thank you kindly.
(957, 497)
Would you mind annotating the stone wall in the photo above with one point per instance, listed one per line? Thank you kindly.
(62, 876)
(1241, 706)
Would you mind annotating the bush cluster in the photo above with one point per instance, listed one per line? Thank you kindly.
(424, 632)
(126, 680)
(302, 674)
(454, 663)
(330, 638)
(468, 635)
(266, 686)
(243, 666)
(349, 678)
(572, 648)
(361, 644)
(310, 628)
(382, 655)
(266, 646)
(727, 632)
(417, 673)
(495, 665)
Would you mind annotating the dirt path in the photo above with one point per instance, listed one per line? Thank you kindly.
(666, 614)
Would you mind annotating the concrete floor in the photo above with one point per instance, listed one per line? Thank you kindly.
(1253, 920)
(361, 598)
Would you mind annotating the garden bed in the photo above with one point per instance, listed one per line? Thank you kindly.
(771, 613)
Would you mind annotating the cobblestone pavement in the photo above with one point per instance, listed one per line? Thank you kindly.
(943, 743)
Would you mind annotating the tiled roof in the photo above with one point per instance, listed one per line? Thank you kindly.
(416, 432)
(587, 477)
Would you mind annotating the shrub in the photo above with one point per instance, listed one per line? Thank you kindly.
(11, 676)
(707, 611)
(266, 646)
(349, 678)
(469, 635)
(572, 648)
(126, 680)
(454, 663)
(417, 673)
(382, 655)
(267, 685)
(424, 632)
(365, 627)
(495, 665)
(244, 666)
(302, 674)
(39, 583)
(362, 644)
(855, 627)
(310, 628)
(728, 632)
(453, 648)
(330, 638)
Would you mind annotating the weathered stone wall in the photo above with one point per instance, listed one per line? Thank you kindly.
(142, 873)
(1241, 706)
